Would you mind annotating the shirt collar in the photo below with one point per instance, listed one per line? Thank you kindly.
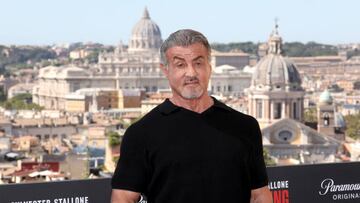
(219, 104)
(167, 107)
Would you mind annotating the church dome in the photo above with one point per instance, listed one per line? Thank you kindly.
(275, 72)
(145, 34)
(325, 97)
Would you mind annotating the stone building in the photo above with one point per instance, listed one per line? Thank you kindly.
(54, 83)
(292, 142)
(276, 100)
(227, 80)
(235, 59)
(135, 67)
(275, 90)
(330, 122)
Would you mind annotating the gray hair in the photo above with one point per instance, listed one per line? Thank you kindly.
(184, 38)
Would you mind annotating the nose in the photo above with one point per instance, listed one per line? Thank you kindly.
(191, 71)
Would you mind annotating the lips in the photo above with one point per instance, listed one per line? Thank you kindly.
(192, 83)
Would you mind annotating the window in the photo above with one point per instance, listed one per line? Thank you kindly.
(285, 135)
(326, 119)
(295, 111)
(277, 110)
(259, 109)
(76, 86)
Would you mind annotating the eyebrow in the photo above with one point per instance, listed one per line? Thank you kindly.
(182, 59)
(197, 58)
(178, 58)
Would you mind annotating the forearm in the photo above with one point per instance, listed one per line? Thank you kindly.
(261, 195)
(123, 196)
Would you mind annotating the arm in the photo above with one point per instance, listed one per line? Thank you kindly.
(260, 192)
(261, 195)
(124, 196)
(130, 176)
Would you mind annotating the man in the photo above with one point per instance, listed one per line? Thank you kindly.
(191, 148)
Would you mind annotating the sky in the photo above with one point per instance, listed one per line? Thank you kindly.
(45, 22)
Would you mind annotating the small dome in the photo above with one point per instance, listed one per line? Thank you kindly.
(145, 34)
(274, 71)
(325, 97)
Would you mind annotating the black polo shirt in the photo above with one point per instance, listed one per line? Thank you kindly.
(176, 155)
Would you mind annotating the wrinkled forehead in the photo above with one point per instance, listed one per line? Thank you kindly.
(191, 52)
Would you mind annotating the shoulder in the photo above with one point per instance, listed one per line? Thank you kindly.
(237, 121)
(238, 117)
(150, 119)
(249, 122)
(136, 133)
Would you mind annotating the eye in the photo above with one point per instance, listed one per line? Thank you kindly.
(180, 65)
(198, 63)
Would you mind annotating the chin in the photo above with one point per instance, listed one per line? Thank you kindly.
(192, 94)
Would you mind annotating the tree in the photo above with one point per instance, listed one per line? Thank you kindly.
(310, 115)
(92, 57)
(2, 95)
(21, 102)
(353, 126)
(309, 49)
(247, 47)
(292, 49)
(114, 138)
(354, 52)
(269, 161)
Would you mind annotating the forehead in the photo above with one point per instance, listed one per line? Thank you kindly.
(187, 52)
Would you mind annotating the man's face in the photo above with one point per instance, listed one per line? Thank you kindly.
(188, 70)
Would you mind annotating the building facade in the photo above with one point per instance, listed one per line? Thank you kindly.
(275, 92)
(135, 67)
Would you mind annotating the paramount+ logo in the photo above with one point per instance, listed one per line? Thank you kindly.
(344, 191)
(280, 191)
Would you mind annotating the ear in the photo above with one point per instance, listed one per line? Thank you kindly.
(164, 69)
(210, 72)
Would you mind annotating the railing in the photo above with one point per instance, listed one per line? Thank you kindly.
(338, 182)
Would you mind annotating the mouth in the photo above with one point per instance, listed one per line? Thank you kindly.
(191, 83)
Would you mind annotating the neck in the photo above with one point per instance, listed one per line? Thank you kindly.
(198, 105)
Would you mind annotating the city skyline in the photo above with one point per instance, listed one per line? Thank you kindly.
(109, 22)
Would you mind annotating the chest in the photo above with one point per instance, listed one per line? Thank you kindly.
(199, 143)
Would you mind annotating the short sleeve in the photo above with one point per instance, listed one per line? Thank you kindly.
(131, 170)
(258, 174)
